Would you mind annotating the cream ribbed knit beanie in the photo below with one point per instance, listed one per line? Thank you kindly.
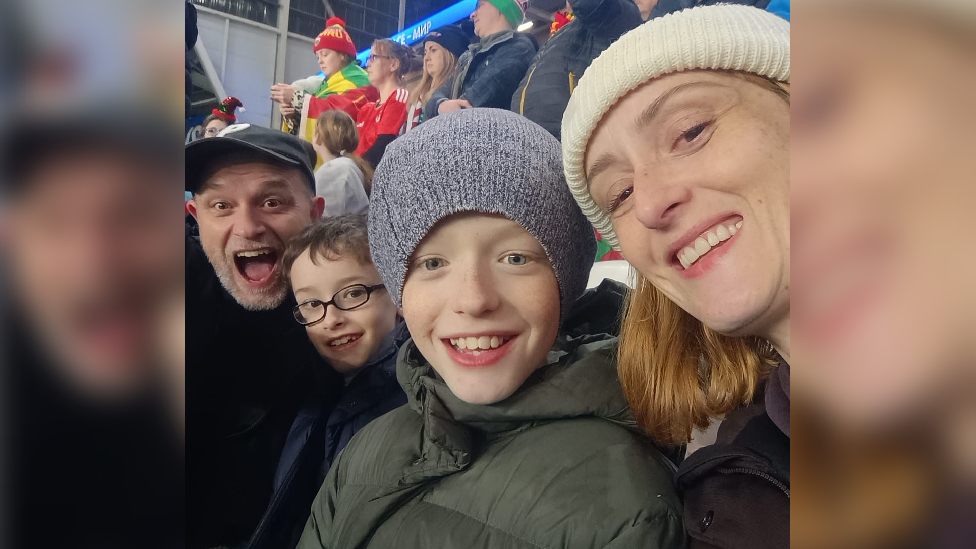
(721, 37)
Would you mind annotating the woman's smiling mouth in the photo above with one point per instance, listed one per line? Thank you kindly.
(699, 249)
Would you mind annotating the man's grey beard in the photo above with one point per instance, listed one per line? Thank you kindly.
(263, 299)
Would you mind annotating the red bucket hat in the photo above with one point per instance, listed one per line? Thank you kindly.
(335, 37)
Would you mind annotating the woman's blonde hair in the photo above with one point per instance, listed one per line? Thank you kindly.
(429, 83)
(677, 373)
(336, 131)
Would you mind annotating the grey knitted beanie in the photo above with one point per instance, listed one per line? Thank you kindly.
(482, 160)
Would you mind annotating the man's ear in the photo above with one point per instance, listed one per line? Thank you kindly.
(191, 207)
(318, 207)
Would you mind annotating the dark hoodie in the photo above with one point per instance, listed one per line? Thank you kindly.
(317, 436)
(559, 463)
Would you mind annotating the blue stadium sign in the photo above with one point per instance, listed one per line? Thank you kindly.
(416, 33)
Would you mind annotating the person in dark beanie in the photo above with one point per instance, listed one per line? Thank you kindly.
(90, 202)
(442, 49)
(251, 364)
(543, 94)
(516, 433)
(488, 73)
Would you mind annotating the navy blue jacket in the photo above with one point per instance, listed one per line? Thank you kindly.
(488, 73)
(317, 436)
(544, 93)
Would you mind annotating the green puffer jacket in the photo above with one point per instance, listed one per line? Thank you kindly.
(559, 464)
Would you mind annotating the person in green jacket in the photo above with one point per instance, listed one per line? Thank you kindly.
(516, 433)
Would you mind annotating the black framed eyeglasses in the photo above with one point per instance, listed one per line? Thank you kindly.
(374, 56)
(351, 297)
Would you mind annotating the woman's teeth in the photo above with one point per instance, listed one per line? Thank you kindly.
(343, 341)
(704, 244)
(476, 344)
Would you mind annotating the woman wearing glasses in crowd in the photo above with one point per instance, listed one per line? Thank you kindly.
(677, 147)
(224, 115)
(381, 122)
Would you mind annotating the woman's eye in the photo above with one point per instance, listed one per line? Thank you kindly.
(516, 259)
(354, 293)
(618, 200)
(221, 205)
(693, 133)
(272, 203)
(433, 263)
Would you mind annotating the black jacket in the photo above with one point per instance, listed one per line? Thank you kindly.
(543, 94)
(318, 436)
(736, 492)
(488, 73)
(249, 374)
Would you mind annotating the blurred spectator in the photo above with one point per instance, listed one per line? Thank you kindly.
(544, 92)
(253, 366)
(882, 180)
(90, 252)
(488, 73)
(345, 84)
(442, 48)
(381, 122)
(344, 178)
(223, 116)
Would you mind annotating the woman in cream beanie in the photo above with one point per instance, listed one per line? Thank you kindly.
(676, 145)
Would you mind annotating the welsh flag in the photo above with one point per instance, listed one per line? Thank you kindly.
(603, 250)
(350, 101)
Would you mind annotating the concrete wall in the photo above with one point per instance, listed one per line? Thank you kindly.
(244, 56)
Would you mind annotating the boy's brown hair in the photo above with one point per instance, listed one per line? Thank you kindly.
(330, 237)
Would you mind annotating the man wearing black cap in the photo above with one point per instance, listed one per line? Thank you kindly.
(250, 365)
(92, 212)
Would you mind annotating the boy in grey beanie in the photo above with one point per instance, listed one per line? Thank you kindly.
(516, 433)
(478, 160)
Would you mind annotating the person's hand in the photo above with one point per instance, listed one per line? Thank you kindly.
(453, 105)
(282, 93)
(287, 111)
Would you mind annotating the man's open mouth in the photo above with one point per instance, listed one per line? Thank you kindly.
(257, 267)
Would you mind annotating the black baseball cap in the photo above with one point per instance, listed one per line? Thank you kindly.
(275, 145)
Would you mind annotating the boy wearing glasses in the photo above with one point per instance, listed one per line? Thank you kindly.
(354, 325)
(347, 313)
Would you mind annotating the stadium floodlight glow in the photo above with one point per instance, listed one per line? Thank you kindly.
(525, 26)
(418, 31)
